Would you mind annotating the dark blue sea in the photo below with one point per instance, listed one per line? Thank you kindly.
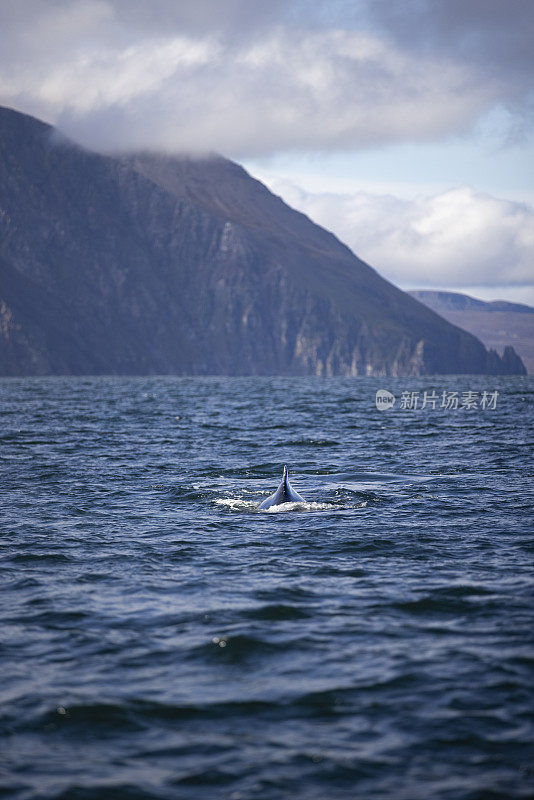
(163, 639)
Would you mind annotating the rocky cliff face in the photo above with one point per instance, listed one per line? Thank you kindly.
(498, 324)
(151, 265)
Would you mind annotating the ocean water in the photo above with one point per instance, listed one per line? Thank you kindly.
(162, 638)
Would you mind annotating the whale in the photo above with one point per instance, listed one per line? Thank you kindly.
(284, 494)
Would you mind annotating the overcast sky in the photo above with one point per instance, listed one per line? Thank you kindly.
(404, 127)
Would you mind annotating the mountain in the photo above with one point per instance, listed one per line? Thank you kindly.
(146, 264)
(498, 323)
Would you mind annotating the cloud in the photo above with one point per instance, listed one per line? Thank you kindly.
(493, 33)
(242, 77)
(452, 239)
(490, 36)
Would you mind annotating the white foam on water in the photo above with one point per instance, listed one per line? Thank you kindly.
(234, 503)
(280, 509)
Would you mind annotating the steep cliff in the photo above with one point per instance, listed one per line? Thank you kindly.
(151, 264)
(499, 324)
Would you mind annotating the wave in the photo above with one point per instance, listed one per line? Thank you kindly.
(236, 504)
(239, 504)
(285, 507)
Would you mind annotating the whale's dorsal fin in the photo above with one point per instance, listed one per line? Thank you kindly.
(284, 494)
